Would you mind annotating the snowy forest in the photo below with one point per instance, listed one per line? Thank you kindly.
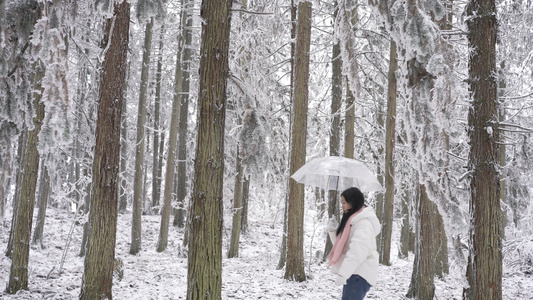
(147, 146)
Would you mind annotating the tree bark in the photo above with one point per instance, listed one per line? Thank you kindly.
(136, 228)
(98, 267)
(484, 271)
(204, 277)
(18, 275)
(295, 231)
(422, 282)
(22, 142)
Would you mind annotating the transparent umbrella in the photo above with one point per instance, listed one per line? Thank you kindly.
(337, 173)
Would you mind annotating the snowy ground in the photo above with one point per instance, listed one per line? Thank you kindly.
(152, 275)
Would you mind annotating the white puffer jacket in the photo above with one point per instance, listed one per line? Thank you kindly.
(360, 255)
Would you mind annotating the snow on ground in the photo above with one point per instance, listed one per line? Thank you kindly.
(253, 275)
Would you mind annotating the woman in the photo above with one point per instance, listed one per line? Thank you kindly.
(354, 257)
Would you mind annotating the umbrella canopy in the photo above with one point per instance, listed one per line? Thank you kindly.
(337, 173)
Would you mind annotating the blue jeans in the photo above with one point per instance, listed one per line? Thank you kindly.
(355, 288)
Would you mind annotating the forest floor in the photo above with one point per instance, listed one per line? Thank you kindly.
(253, 275)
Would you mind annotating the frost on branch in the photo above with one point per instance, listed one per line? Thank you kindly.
(150, 9)
(252, 139)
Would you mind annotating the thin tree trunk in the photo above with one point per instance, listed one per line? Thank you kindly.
(349, 124)
(171, 154)
(388, 206)
(204, 275)
(283, 248)
(403, 249)
(295, 235)
(98, 266)
(484, 272)
(3, 184)
(156, 167)
(502, 85)
(237, 210)
(18, 275)
(123, 193)
(44, 189)
(350, 17)
(146, 207)
(335, 131)
(184, 113)
(136, 228)
(245, 199)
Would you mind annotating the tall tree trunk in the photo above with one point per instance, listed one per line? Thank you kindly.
(295, 231)
(184, 112)
(233, 250)
(44, 194)
(98, 266)
(156, 167)
(136, 228)
(172, 144)
(390, 137)
(502, 85)
(123, 191)
(283, 247)
(204, 277)
(484, 271)
(18, 275)
(335, 131)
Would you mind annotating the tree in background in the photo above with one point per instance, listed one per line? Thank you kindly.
(182, 175)
(99, 260)
(204, 277)
(283, 248)
(335, 131)
(138, 186)
(390, 139)
(172, 140)
(44, 195)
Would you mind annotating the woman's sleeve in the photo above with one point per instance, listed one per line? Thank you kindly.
(360, 247)
(332, 236)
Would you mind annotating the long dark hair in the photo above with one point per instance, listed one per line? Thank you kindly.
(356, 199)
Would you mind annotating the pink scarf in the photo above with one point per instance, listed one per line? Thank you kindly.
(336, 251)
